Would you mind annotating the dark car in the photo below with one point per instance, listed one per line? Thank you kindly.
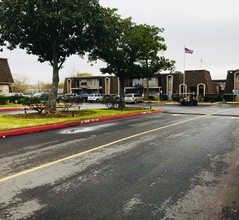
(189, 102)
(41, 95)
(84, 96)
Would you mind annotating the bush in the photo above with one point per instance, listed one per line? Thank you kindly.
(3, 100)
(164, 97)
(68, 101)
(176, 97)
(34, 103)
(111, 102)
(15, 99)
(229, 97)
(212, 98)
(151, 97)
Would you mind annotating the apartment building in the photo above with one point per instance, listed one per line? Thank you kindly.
(232, 83)
(161, 86)
(6, 79)
(92, 84)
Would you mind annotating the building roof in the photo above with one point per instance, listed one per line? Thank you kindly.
(5, 72)
(230, 81)
(195, 77)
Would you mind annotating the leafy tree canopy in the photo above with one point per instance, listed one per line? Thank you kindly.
(51, 29)
(131, 50)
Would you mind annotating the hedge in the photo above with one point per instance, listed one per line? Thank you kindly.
(212, 98)
(4, 100)
(229, 97)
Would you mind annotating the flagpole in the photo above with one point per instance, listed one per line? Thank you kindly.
(186, 50)
(184, 87)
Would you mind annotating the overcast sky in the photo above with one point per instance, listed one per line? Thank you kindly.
(209, 27)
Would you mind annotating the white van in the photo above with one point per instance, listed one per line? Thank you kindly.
(94, 97)
(133, 98)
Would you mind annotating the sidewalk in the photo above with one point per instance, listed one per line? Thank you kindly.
(4, 134)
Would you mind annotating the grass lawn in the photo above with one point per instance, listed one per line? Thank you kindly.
(9, 122)
(12, 105)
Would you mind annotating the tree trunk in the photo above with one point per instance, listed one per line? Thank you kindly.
(121, 104)
(51, 102)
(147, 88)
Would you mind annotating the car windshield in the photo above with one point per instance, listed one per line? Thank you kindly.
(128, 95)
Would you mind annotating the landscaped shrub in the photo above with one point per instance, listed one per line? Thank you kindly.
(3, 100)
(176, 97)
(111, 102)
(164, 97)
(34, 103)
(15, 99)
(69, 101)
(151, 97)
(212, 98)
(229, 97)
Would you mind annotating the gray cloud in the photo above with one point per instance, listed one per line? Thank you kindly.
(209, 27)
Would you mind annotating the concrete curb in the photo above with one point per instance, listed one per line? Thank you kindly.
(70, 124)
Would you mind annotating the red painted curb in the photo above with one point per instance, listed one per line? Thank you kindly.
(70, 124)
(12, 109)
(19, 108)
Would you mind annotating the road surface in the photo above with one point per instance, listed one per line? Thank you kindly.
(181, 164)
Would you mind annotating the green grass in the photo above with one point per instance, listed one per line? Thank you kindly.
(12, 105)
(9, 122)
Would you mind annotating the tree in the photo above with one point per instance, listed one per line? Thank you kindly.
(51, 29)
(147, 45)
(20, 84)
(130, 50)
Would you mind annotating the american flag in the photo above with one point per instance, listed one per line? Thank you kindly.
(186, 50)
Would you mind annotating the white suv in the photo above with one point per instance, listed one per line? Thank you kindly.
(95, 97)
(133, 98)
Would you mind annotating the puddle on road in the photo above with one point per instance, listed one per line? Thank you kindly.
(81, 129)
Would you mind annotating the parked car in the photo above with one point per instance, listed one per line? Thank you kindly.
(95, 97)
(16, 97)
(84, 96)
(70, 97)
(188, 99)
(16, 94)
(133, 98)
(41, 95)
(189, 102)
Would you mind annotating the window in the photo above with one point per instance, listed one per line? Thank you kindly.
(201, 89)
(83, 82)
(152, 81)
(169, 86)
(137, 82)
(77, 83)
(95, 82)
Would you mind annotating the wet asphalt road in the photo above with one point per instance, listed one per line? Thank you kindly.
(173, 165)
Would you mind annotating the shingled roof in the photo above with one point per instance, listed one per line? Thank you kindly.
(5, 72)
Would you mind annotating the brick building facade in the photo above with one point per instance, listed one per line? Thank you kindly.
(232, 83)
(164, 85)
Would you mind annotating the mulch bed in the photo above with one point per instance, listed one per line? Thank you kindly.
(58, 114)
(61, 114)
